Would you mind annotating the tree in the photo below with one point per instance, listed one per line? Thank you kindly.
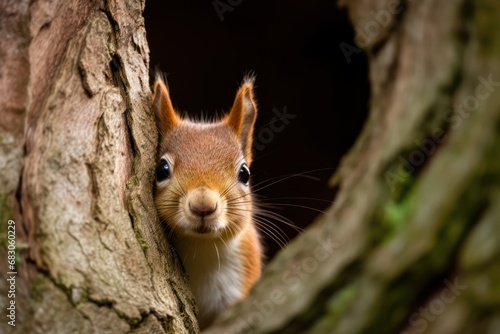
(75, 81)
(410, 243)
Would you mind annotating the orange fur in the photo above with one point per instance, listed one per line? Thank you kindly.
(165, 113)
(204, 163)
(251, 257)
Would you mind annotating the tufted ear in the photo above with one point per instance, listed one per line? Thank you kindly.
(166, 117)
(242, 117)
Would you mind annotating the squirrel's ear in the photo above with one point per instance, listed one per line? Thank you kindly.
(166, 118)
(242, 117)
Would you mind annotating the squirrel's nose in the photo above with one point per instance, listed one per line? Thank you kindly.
(202, 201)
(202, 210)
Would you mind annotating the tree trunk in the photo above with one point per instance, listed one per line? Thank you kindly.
(412, 241)
(78, 149)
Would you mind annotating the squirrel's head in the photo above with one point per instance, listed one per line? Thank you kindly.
(202, 174)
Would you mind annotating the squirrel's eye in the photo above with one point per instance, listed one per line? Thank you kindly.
(244, 174)
(162, 171)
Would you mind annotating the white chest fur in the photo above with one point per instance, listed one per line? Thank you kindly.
(215, 274)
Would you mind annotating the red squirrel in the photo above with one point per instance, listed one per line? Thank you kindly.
(202, 193)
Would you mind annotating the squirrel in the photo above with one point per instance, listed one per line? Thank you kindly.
(202, 193)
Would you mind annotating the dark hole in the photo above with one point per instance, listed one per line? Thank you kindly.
(294, 49)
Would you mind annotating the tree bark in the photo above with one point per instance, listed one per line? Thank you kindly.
(78, 147)
(411, 242)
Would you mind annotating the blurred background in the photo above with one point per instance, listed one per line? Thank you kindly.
(206, 47)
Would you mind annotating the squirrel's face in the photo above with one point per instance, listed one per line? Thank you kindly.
(202, 175)
(202, 181)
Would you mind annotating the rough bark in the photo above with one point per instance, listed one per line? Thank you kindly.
(412, 240)
(78, 147)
